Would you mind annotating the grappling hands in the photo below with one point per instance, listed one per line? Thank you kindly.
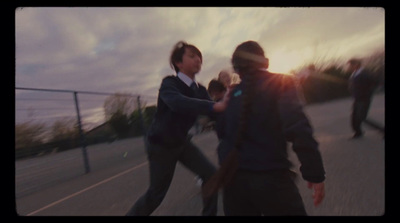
(221, 105)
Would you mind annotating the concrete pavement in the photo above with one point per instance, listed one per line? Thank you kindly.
(355, 184)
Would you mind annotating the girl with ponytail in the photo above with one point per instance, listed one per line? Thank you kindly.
(263, 114)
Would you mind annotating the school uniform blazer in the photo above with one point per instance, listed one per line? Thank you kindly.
(362, 85)
(276, 118)
(177, 109)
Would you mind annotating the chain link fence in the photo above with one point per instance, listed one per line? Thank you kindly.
(53, 129)
(49, 121)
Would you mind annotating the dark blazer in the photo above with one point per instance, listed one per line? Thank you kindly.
(362, 86)
(276, 118)
(177, 109)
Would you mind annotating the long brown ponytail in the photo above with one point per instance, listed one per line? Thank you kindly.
(229, 166)
(247, 59)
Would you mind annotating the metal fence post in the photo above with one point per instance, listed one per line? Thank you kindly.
(82, 136)
(141, 116)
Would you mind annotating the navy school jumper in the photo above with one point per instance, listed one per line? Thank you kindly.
(177, 109)
(276, 118)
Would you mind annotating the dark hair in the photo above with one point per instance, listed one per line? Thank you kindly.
(246, 60)
(229, 166)
(354, 61)
(216, 86)
(179, 50)
(249, 56)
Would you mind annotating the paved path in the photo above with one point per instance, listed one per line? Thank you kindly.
(56, 185)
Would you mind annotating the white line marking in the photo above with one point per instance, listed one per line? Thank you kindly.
(86, 189)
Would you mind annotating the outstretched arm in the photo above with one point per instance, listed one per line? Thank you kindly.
(178, 102)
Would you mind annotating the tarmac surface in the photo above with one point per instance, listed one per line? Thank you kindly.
(56, 185)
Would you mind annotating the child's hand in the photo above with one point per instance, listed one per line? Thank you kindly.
(221, 105)
(318, 193)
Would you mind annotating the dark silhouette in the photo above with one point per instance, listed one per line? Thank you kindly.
(361, 86)
(264, 112)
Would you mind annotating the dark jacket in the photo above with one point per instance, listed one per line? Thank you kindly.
(177, 109)
(276, 118)
(218, 118)
(362, 86)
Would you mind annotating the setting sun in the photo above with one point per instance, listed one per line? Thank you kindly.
(283, 61)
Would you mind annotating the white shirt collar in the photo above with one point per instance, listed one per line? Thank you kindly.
(187, 80)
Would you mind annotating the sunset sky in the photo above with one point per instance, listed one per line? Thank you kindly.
(127, 49)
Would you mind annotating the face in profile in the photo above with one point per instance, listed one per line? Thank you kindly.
(191, 62)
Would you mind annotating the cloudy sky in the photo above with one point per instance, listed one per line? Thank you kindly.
(127, 49)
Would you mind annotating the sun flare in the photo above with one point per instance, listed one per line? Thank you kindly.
(284, 61)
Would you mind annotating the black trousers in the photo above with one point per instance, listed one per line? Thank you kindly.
(269, 193)
(359, 116)
(162, 162)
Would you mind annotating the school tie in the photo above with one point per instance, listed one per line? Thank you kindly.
(194, 87)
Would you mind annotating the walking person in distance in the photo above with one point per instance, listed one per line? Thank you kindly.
(361, 86)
